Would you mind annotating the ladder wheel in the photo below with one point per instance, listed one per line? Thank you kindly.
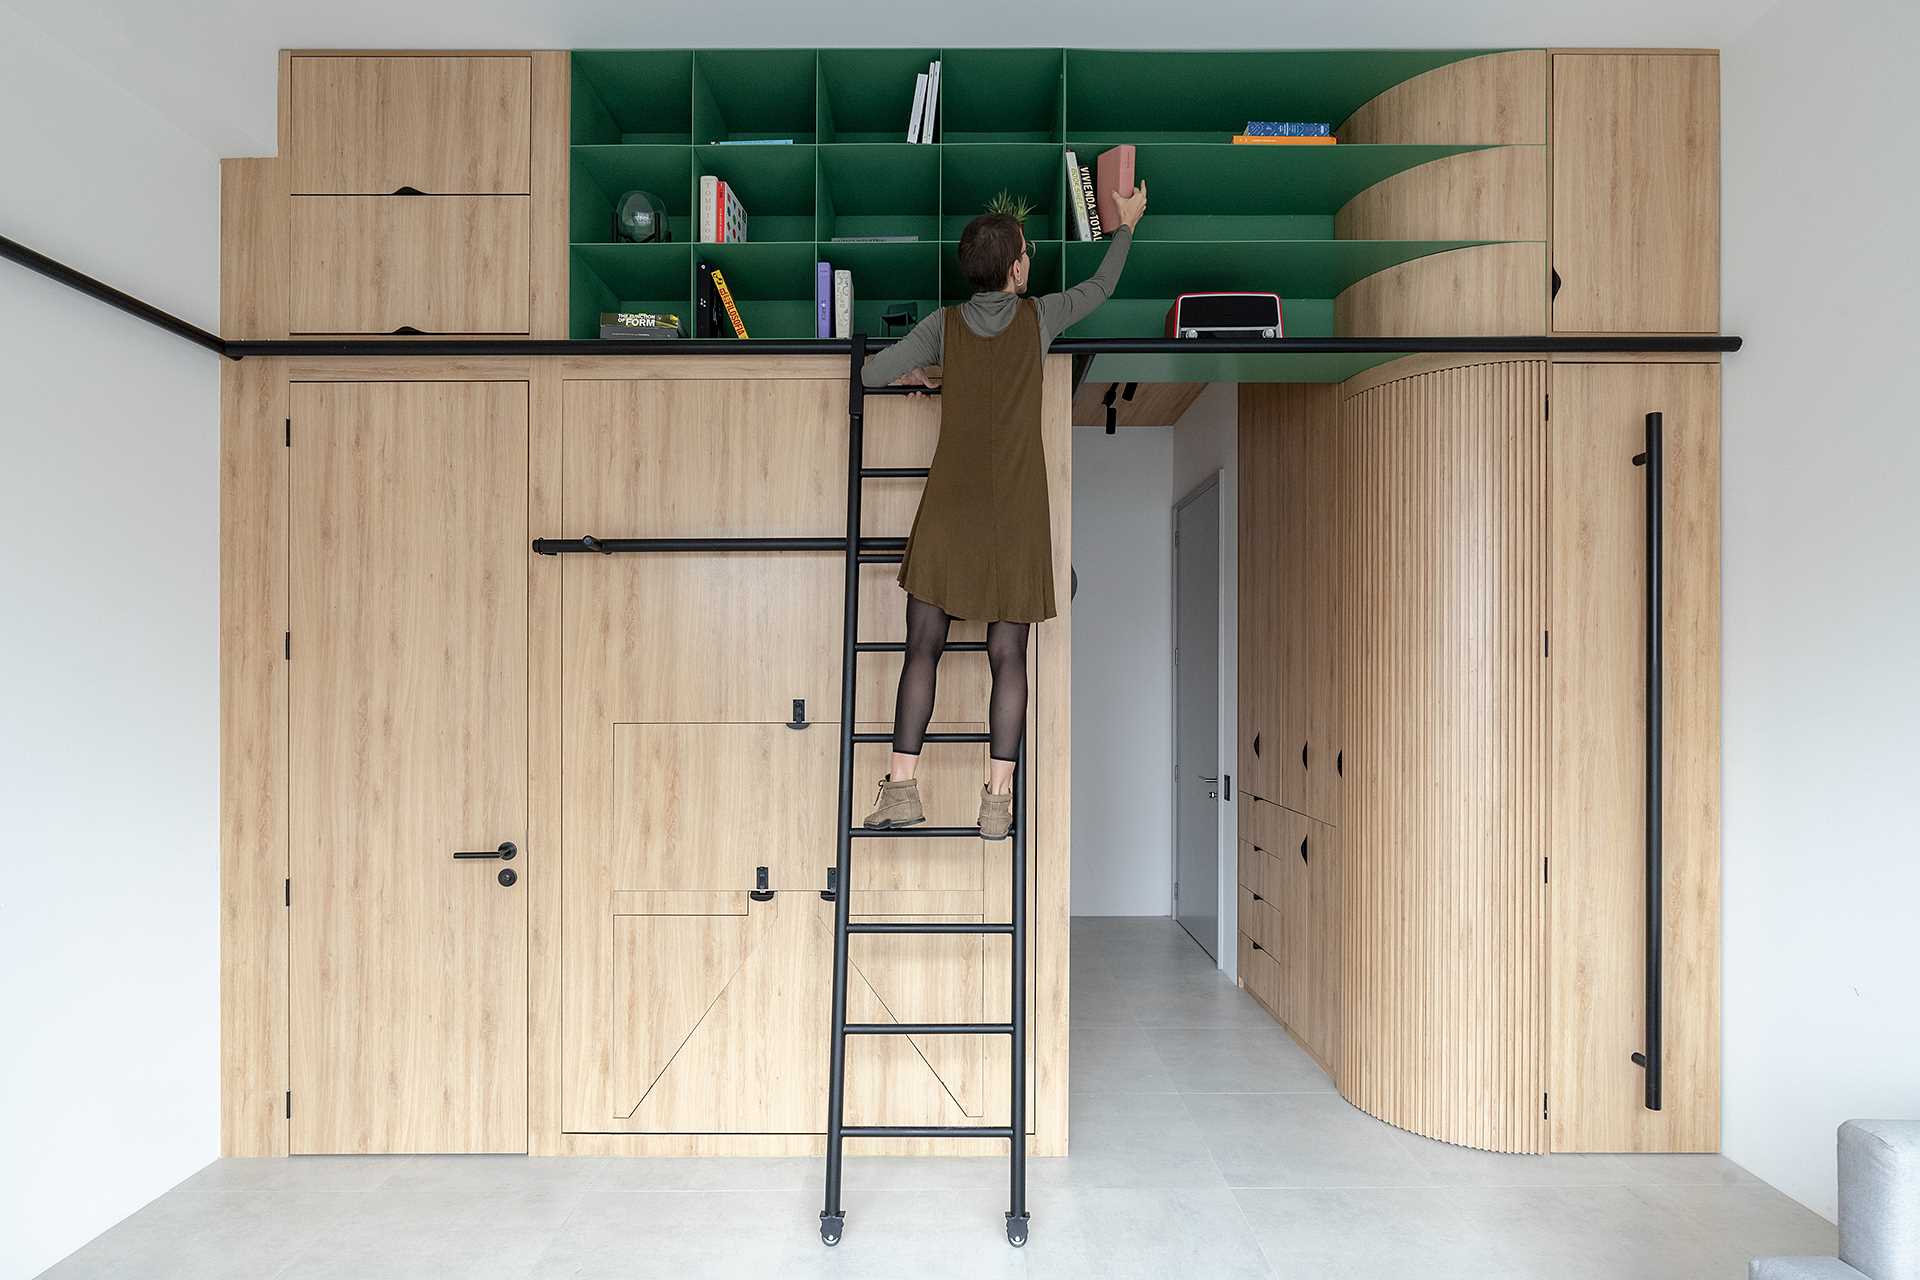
(1016, 1231)
(830, 1229)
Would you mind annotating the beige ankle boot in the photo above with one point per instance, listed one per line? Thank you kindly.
(899, 804)
(996, 814)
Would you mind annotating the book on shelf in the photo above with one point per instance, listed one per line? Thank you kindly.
(706, 311)
(639, 324)
(933, 101)
(1089, 206)
(823, 299)
(1115, 173)
(1274, 140)
(725, 295)
(875, 240)
(723, 219)
(843, 304)
(1289, 128)
(1081, 230)
(919, 106)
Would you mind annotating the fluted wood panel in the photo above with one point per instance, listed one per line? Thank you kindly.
(1497, 194)
(1443, 578)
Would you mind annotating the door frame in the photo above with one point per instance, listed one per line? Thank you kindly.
(1226, 833)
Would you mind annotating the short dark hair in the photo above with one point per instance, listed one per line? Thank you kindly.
(989, 247)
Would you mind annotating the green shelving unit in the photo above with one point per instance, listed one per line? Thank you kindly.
(832, 160)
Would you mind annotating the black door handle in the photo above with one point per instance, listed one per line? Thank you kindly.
(1303, 755)
(1256, 744)
(505, 852)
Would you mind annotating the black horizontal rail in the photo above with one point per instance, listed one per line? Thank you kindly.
(631, 546)
(926, 926)
(927, 737)
(1518, 344)
(929, 1028)
(916, 833)
(899, 646)
(60, 272)
(925, 1131)
(894, 473)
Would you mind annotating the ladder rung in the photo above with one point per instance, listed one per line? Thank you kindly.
(929, 1028)
(924, 926)
(891, 390)
(900, 646)
(917, 833)
(931, 737)
(882, 557)
(924, 1131)
(894, 473)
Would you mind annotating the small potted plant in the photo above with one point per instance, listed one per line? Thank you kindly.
(1017, 207)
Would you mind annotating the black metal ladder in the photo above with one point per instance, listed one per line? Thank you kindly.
(859, 551)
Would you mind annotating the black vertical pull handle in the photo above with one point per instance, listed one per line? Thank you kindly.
(1303, 754)
(1256, 745)
(1340, 763)
(1653, 460)
(1303, 848)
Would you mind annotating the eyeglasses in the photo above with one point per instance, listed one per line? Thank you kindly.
(1027, 250)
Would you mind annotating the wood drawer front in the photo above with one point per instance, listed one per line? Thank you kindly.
(1263, 824)
(444, 126)
(438, 264)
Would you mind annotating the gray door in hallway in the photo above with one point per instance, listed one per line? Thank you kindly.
(1196, 714)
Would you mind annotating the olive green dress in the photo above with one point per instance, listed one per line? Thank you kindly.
(982, 543)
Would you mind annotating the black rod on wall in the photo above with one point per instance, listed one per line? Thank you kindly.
(14, 251)
(1655, 789)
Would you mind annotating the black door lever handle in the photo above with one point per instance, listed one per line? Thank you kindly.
(505, 852)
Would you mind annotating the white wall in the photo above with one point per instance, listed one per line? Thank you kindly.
(1123, 672)
(109, 1026)
(1822, 585)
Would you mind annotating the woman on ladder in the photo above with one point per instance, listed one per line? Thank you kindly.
(981, 545)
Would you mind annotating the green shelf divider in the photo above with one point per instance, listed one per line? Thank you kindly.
(771, 283)
(629, 277)
(973, 173)
(602, 174)
(886, 275)
(633, 95)
(741, 94)
(776, 183)
(1001, 95)
(868, 189)
(866, 95)
(1304, 268)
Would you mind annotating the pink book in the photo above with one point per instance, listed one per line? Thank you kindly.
(1115, 173)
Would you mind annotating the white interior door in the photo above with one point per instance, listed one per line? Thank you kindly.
(1196, 715)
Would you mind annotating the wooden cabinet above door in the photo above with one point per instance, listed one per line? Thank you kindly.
(425, 264)
(438, 125)
(1636, 192)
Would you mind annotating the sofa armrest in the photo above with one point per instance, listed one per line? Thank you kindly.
(1880, 1198)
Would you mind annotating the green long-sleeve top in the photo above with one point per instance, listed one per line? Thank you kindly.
(987, 313)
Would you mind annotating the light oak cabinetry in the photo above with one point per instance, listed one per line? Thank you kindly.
(1636, 192)
(410, 264)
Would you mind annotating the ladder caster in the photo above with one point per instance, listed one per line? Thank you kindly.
(831, 1227)
(1017, 1230)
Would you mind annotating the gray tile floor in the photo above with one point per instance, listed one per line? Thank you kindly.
(1206, 1145)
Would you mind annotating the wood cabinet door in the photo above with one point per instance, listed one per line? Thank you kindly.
(1636, 193)
(438, 125)
(407, 727)
(429, 264)
(1598, 504)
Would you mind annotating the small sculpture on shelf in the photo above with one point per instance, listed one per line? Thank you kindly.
(640, 217)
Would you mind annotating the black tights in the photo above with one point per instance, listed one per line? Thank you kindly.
(1006, 655)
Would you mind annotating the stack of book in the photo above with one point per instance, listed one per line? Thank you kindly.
(723, 219)
(1091, 188)
(640, 324)
(1287, 133)
(714, 302)
(832, 301)
(926, 101)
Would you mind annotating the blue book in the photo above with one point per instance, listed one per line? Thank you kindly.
(1289, 129)
(823, 299)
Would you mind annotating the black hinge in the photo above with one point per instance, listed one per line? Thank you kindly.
(286, 646)
(289, 1104)
(1546, 407)
(289, 893)
(760, 892)
(1546, 644)
(1543, 1106)
(832, 890)
(799, 720)
(1545, 866)
(289, 433)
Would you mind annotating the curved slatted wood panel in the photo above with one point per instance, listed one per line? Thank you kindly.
(1482, 290)
(1497, 194)
(1497, 97)
(1442, 1007)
